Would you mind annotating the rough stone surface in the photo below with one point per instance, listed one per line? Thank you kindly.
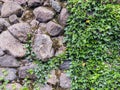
(46, 87)
(9, 43)
(8, 61)
(53, 78)
(60, 50)
(0, 7)
(56, 5)
(20, 31)
(53, 28)
(10, 8)
(63, 16)
(3, 24)
(34, 24)
(13, 19)
(21, 2)
(43, 14)
(1, 52)
(43, 47)
(64, 81)
(8, 74)
(35, 3)
(23, 72)
(65, 65)
(14, 86)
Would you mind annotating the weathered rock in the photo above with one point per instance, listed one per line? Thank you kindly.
(14, 86)
(43, 14)
(35, 3)
(8, 61)
(46, 3)
(26, 71)
(10, 8)
(54, 29)
(65, 81)
(8, 74)
(53, 78)
(65, 65)
(9, 43)
(56, 5)
(63, 16)
(42, 47)
(46, 87)
(6, 0)
(1, 52)
(21, 2)
(0, 7)
(20, 31)
(3, 24)
(34, 24)
(13, 19)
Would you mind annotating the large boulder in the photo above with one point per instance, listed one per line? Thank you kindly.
(20, 31)
(14, 86)
(8, 74)
(8, 61)
(54, 29)
(42, 47)
(43, 14)
(56, 5)
(10, 8)
(63, 16)
(9, 43)
(4, 24)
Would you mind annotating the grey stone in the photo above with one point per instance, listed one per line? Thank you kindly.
(42, 47)
(13, 19)
(20, 31)
(65, 65)
(3, 24)
(8, 61)
(0, 7)
(46, 87)
(65, 81)
(43, 14)
(8, 74)
(10, 8)
(24, 71)
(56, 5)
(63, 16)
(35, 3)
(14, 86)
(54, 29)
(34, 24)
(53, 78)
(21, 2)
(9, 43)
(1, 52)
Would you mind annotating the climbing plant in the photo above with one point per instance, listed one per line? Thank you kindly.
(92, 38)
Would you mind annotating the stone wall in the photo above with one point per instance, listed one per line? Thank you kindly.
(45, 21)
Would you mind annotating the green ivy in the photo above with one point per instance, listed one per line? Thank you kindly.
(93, 44)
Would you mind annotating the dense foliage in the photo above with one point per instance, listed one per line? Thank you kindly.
(93, 44)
